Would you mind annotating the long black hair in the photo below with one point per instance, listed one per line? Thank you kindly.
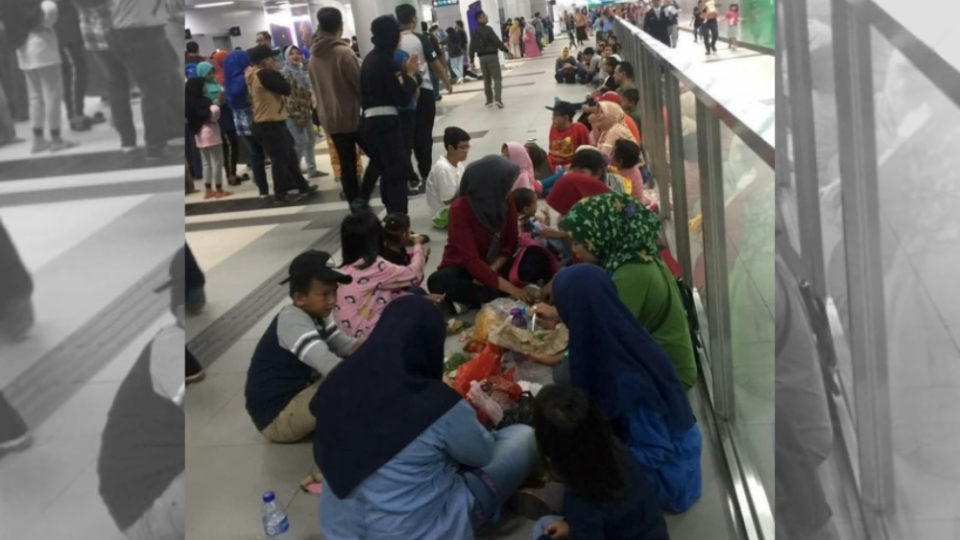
(577, 443)
(541, 165)
(361, 237)
(196, 104)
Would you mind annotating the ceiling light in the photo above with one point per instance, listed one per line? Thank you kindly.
(214, 4)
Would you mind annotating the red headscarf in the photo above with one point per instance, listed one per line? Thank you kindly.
(571, 188)
(217, 60)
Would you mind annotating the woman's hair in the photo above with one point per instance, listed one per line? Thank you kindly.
(523, 198)
(395, 226)
(626, 153)
(577, 443)
(541, 165)
(361, 237)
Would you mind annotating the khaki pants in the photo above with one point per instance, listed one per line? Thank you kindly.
(163, 520)
(295, 421)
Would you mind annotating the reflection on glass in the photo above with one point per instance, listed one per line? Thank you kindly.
(748, 185)
(918, 133)
(688, 112)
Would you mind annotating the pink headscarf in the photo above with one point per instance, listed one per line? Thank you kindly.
(518, 156)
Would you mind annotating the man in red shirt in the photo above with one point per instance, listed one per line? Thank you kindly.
(565, 134)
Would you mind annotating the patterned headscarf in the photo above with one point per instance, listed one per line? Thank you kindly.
(615, 228)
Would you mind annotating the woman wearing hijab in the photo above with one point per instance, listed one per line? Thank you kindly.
(609, 124)
(531, 49)
(300, 106)
(517, 154)
(614, 360)
(617, 233)
(566, 67)
(238, 97)
(515, 39)
(571, 188)
(384, 90)
(482, 237)
(410, 460)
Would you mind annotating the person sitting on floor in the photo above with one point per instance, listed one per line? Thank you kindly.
(482, 238)
(565, 135)
(566, 68)
(376, 281)
(617, 233)
(607, 495)
(525, 201)
(579, 183)
(444, 178)
(630, 99)
(619, 365)
(518, 155)
(627, 160)
(141, 462)
(610, 126)
(302, 339)
(402, 454)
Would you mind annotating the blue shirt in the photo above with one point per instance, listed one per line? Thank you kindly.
(419, 493)
(399, 57)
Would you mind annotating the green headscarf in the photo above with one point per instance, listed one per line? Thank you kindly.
(211, 89)
(615, 228)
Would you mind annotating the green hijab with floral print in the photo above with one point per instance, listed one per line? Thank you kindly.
(615, 228)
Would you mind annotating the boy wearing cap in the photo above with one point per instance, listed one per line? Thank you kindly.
(302, 339)
(268, 87)
(565, 135)
(141, 479)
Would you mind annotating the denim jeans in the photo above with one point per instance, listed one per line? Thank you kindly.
(305, 141)
(514, 458)
(540, 527)
(456, 66)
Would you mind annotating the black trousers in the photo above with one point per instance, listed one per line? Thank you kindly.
(423, 134)
(230, 154)
(279, 146)
(16, 283)
(257, 163)
(346, 145)
(710, 34)
(458, 286)
(73, 65)
(384, 144)
(408, 132)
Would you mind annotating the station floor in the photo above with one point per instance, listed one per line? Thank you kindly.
(244, 252)
(96, 228)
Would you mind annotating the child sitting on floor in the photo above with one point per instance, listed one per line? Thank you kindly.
(626, 161)
(525, 201)
(443, 182)
(376, 280)
(607, 493)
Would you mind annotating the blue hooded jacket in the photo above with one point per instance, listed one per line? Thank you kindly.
(234, 83)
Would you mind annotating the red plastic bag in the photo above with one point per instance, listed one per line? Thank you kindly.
(481, 367)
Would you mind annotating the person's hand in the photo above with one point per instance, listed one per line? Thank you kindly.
(547, 292)
(436, 299)
(558, 530)
(411, 65)
(417, 239)
(546, 311)
(485, 403)
(521, 295)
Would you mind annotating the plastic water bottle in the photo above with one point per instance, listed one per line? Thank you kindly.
(275, 523)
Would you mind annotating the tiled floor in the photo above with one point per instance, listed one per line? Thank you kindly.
(229, 465)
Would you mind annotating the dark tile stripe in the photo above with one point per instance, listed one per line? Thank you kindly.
(57, 165)
(102, 191)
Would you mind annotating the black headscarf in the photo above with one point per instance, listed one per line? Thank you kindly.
(383, 397)
(386, 33)
(486, 184)
(196, 104)
(20, 17)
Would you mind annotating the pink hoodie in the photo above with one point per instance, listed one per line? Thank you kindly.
(519, 157)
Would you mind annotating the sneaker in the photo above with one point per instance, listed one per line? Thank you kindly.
(209, 194)
(14, 432)
(194, 370)
(61, 144)
(317, 174)
(223, 193)
(499, 104)
(126, 149)
(415, 184)
(40, 145)
(488, 105)
(289, 198)
(79, 124)
(310, 189)
(264, 196)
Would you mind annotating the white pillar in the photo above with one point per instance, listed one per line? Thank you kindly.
(365, 11)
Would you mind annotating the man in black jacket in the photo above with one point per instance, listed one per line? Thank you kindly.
(656, 23)
(485, 44)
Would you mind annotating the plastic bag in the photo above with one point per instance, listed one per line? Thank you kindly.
(547, 342)
(479, 368)
(491, 315)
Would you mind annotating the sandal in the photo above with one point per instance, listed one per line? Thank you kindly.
(312, 483)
